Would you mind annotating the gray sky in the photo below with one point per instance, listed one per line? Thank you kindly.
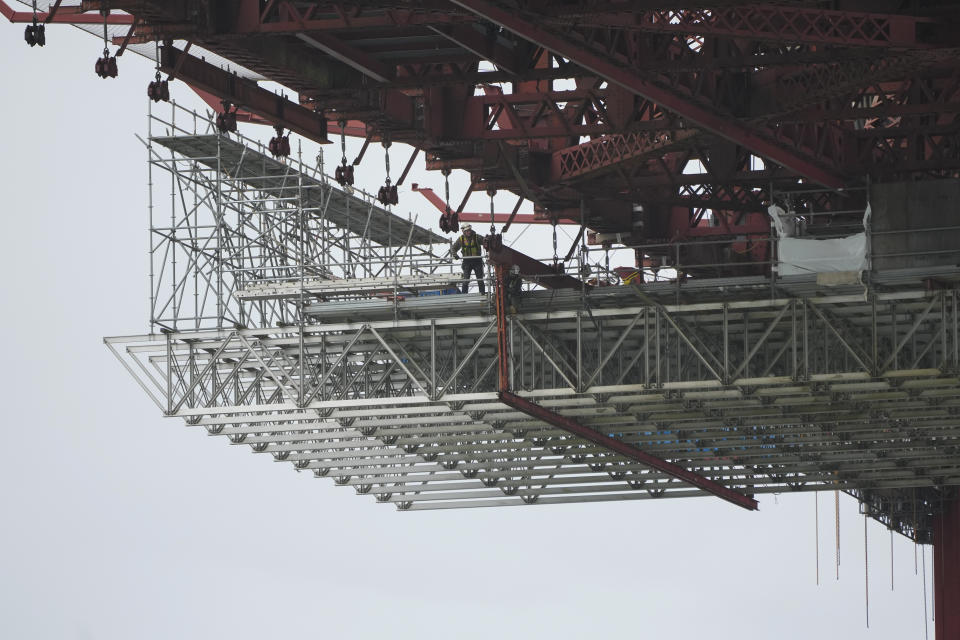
(118, 523)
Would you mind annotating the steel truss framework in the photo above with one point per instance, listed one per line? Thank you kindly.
(806, 390)
(820, 92)
(290, 322)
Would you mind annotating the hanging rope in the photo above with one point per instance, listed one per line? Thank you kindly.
(916, 535)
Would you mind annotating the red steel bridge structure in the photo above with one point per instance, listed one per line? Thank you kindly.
(640, 120)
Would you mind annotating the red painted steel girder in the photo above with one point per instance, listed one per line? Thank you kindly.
(696, 113)
(72, 14)
(352, 128)
(571, 426)
(606, 152)
(627, 450)
(245, 93)
(464, 216)
(773, 23)
(574, 113)
(529, 268)
(477, 43)
(757, 21)
(946, 571)
(349, 55)
(284, 17)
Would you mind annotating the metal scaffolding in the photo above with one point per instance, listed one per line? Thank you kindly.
(280, 329)
(229, 222)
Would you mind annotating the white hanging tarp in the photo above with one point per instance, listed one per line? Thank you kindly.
(798, 256)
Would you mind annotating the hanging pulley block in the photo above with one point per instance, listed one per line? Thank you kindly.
(106, 67)
(344, 174)
(280, 144)
(227, 122)
(449, 221)
(35, 34)
(159, 90)
(388, 194)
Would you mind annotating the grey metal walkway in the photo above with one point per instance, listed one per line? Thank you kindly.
(259, 171)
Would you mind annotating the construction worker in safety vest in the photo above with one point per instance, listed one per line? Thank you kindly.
(471, 245)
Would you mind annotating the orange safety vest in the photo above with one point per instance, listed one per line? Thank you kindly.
(470, 246)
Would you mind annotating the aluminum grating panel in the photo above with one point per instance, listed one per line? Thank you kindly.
(263, 173)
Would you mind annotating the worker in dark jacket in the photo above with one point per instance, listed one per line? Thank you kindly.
(471, 245)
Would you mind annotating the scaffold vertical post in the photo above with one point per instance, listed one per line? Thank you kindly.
(503, 351)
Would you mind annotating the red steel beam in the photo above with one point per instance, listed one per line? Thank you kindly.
(479, 44)
(499, 218)
(529, 268)
(571, 426)
(353, 128)
(608, 152)
(773, 23)
(278, 18)
(349, 55)
(700, 115)
(946, 571)
(63, 15)
(627, 450)
(760, 22)
(245, 93)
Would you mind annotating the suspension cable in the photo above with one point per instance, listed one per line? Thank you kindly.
(343, 174)
(491, 193)
(554, 224)
(106, 35)
(386, 158)
(388, 193)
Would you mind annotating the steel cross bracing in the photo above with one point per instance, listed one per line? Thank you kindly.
(809, 389)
